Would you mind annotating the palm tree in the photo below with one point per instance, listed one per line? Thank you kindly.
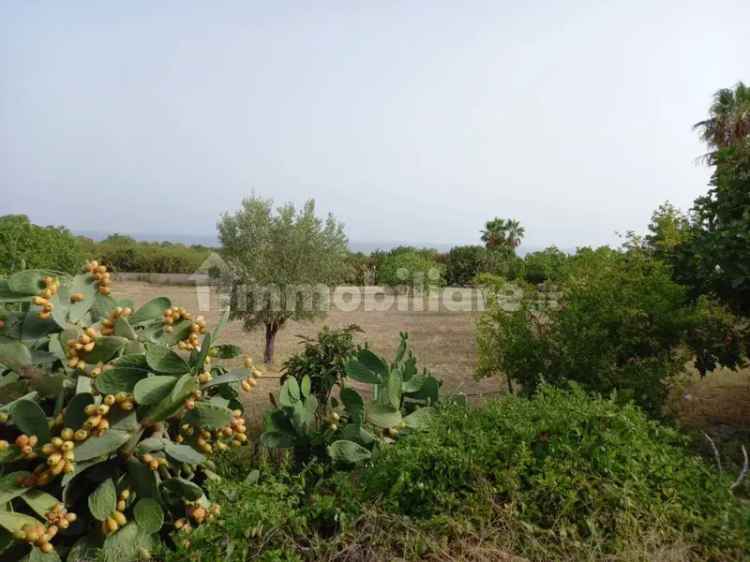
(728, 124)
(502, 234)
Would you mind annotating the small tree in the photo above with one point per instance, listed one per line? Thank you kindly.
(280, 261)
(503, 235)
(463, 264)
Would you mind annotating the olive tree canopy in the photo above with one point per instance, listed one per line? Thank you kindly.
(282, 261)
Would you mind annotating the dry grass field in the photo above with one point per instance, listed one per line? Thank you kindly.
(443, 341)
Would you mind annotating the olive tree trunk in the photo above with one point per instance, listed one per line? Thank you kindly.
(271, 330)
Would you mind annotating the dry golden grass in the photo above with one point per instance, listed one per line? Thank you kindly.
(444, 343)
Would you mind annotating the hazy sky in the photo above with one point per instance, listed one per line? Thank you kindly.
(413, 121)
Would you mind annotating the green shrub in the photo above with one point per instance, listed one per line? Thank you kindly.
(581, 472)
(413, 270)
(323, 359)
(24, 245)
(545, 265)
(618, 325)
(463, 264)
(268, 513)
(122, 253)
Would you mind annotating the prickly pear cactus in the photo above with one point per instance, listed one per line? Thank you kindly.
(108, 417)
(352, 428)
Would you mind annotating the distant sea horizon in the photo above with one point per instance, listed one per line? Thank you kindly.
(366, 247)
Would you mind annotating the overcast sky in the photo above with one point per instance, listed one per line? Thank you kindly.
(410, 121)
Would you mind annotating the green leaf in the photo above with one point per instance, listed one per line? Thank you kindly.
(353, 403)
(183, 488)
(393, 396)
(355, 432)
(226, 351)
(359, 372)
(40, 502)
(84, 285)
(75, 416)
(420, 419)
(144, 480)
(153, 389)
(103, 501)
(414, 384)
(148, 515)
(119, 379)
(15, 355)
(184, 387)
(28, 282)
(209, 416)
(232, 376)
(9, 486)
(429, 391)
(372, 362)
(126, 544)
(124, 329)
(382, 416)
(180, 331)
(277, 440)
(151, 444)
(31, 420)
(95, 447)
(183, 453)
(164, 360)
(12, 521)
(152, 310)
(84, 549)
(37, 555)
(220, 326)
(348, 452)
(105, 348)
(305, 386)
(35, 328)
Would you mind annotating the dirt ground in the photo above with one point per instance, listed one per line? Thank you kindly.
(441, 333)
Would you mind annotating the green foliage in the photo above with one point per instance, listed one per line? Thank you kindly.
(267, 512)
(618, 325)
(579, 471)
(349, 429)
(503, 235)
(728, 123)
(359, 271)
(106, 414)
(717, 256)
(412, 270)
(25, 245)
(280, 261)
(323, 359)
(544, 265)
(463, 264)
(123, 253)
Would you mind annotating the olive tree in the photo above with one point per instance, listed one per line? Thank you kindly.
(282, 262)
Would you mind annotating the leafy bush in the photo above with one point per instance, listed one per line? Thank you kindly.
(412, 270)
(360, 270)
(618, 323)
(715, 257)
(349, 429)
(618, 326)
(109, 416)
(463, 264)
(123, 253)
(323, 360)
(580, 472)
(25, 245)
(545, 265)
